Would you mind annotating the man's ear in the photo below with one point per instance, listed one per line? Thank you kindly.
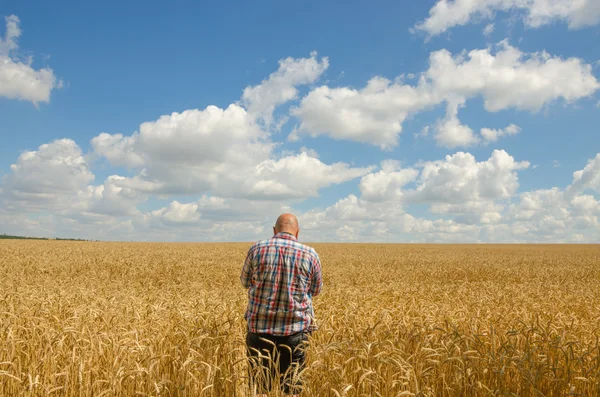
(297, 233)
(274, 231)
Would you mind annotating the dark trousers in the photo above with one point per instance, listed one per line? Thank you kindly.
(276, 358)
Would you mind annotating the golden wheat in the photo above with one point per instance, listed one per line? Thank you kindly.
(121, 319)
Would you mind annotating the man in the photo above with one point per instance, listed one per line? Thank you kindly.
(282, 275)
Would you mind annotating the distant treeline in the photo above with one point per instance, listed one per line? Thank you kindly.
(9, 237)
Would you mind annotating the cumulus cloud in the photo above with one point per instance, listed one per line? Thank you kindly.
(504, 78)
(118, 149)
(388, 182)
(480, 198)
(461, 179)
(225, 155)
(297, 176)
(472, 193)
(178, 213)
(229, 159)
(56, 178)
(18, 79)
(446, 14)
(222, 152)
(587, 178)
(49, 177)
(20, 224)
(372, 115)
(510, 78)
(489, 29)
(451, 133)
(585, 204)
(108, 199)
(193, 137)
(210, 218)
(477, 201)
(261, 100)
(492, 135)
(331, 224)
(551, 214)
(468, 200)
(458, 179)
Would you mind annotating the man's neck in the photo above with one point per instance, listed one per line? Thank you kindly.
(287, 233)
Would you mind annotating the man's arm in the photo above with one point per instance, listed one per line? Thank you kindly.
(246, 276)
(316, 282)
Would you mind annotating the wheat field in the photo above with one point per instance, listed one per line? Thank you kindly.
(127, 319)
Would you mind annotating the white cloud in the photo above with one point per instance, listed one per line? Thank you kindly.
(218, 209)
(451, 133)
(488, 30)
(481, 197)
(22, 225)
(352, 208)
(188, 152)
(118, 149)
(210, 218)
(18, 79)
(447, 14)
(475, 196)
(13, 32)
(585, 205)
(424, 132)
(472, 212)
(346, 233)
(56, 179)
(109, 199)
(261, 100)
(460, 179)
(491, 135)
(224, 152)
(178, 213)
(49, 177)
(549, 215)
(388, 182)
(229, 159)
(378, 223)
(510, 78)
(587, 178)
(190, 138)
(504, 78)
(297, 176)
(372, 115)
(457, 184)
(457, 180)
(469, 200)
(473, 193)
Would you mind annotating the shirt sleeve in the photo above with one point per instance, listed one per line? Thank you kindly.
(316, 282)
(246, 276)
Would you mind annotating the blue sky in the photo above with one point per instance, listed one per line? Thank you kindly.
(445, 121)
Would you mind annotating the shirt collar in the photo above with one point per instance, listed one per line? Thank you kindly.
(285, 235)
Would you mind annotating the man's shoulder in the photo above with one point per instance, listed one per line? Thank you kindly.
(306, 248)
(258, 244)
(263, 243)
(309, 249)
(274, 241)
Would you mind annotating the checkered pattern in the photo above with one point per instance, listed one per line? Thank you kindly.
(282, 275)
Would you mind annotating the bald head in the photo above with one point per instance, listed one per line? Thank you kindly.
(287, 223)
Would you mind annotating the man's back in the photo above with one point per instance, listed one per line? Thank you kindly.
(282, 275)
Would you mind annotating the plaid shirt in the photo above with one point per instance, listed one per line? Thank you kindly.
(282, 276)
